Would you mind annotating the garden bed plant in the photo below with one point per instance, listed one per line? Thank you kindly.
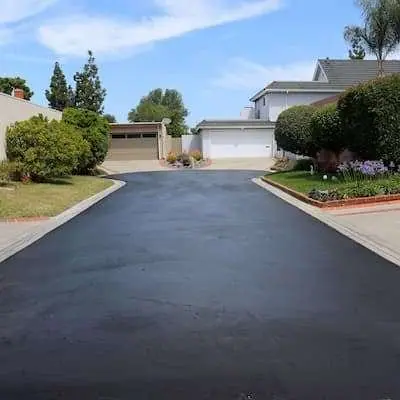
(191, 160)
(357, 179)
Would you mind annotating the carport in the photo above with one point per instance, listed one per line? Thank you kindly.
(137, 141)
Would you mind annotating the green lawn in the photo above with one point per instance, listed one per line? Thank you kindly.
(48, 199)
(304, 182)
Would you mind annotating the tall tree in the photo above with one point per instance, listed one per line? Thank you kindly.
(71, 96)
(110, 118)
(357, 51)
(89, 93)
(158, 105)
(7, 84)
(57, 96)
(377, 35)
(147, 111)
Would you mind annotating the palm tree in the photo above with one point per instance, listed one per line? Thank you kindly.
(378, 35)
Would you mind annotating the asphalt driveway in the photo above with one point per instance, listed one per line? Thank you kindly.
(198, 285)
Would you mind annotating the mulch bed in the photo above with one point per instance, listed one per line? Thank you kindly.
(178, 166)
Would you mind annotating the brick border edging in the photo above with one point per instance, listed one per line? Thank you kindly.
(334, 203)
(53, 223)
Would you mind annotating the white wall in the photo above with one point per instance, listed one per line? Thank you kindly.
(279, 102)
(13, 109)
(191, 143)
(261, 110)
(247, 113)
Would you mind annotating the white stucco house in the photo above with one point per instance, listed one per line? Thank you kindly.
(252, 135)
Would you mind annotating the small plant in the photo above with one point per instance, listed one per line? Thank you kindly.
(171, 158)
(326, 195)
(196, 155)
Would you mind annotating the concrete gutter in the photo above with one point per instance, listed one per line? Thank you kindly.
(380, 248)
(53, 223)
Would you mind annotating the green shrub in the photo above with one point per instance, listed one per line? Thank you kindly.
(171, 157)
(95, 130)
(44, 149)
(196, 155)
(304, 164)
(293, 130)
(326, 129)
(370, 116)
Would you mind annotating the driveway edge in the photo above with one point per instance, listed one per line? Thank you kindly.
(347, 230)
(53, 223)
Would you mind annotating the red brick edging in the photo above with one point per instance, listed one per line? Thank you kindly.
(334, 203)
(24, 219)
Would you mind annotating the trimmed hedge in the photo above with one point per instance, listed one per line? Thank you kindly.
(326, 129)
(370, 116)
(293, 130)
(43, 149)
(95, 130)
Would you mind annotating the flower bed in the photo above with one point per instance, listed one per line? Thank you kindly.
(354, 182)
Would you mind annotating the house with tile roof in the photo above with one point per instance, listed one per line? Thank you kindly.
(253, 135)
(331, 78)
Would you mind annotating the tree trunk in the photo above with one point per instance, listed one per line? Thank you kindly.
(380, 68)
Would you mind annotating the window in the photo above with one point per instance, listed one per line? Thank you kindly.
(118, 136)
(149, 135)
(134, 136)
(264, 102)
(258, 114)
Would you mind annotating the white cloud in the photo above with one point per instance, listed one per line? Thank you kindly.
(14, 11)
(18, 10)
(242, 74)
(174, 18)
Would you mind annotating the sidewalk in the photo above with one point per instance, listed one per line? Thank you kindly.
(375, 227)
(380, 224)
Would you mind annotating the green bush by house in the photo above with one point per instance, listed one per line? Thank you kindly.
(95, 130)
(326, 130)
(293, 130)
(43, 149)
(370, 117)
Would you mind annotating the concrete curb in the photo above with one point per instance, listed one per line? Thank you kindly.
(348, 230)
(55, 222)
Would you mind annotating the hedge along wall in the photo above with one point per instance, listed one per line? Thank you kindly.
(370, 118)
(13, 109)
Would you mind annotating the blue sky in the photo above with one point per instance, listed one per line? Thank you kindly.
(216, 52)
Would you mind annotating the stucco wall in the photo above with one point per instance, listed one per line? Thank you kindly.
(191, 143)
(262, 110)
(13, 109)
(279, 102)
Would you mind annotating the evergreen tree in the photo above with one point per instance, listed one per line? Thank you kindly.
(57, 96)
(71, 96)
(89, 93)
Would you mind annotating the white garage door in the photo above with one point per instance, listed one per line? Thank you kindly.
(237, 143)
